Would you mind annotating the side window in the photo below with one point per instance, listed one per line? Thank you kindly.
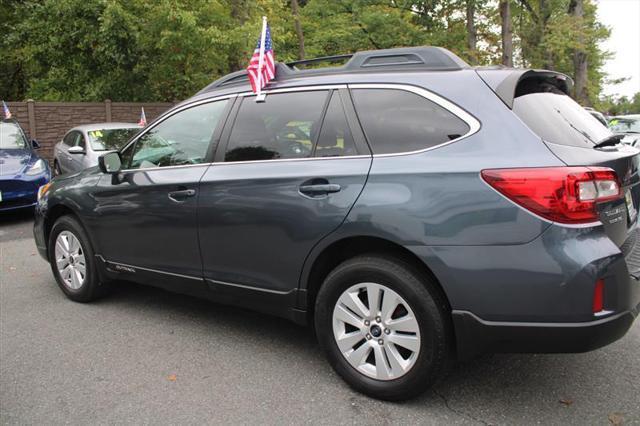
(400, 121)
(335, 138)
(80, 141)
(183, 138)
(282, 127)
(70, 138)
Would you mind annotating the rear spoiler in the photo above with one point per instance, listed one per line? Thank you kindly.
(509, 83)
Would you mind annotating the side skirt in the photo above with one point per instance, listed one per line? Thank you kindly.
(277, 303)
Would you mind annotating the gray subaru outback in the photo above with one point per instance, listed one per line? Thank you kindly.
(413, 209)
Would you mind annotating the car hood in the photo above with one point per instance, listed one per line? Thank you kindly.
(15, 161)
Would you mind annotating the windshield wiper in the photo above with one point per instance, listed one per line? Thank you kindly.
(609, 141)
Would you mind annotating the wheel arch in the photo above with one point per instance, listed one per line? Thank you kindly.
(57, 212)
(338, 251)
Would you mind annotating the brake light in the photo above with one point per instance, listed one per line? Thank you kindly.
(598, 297)
(560, 194)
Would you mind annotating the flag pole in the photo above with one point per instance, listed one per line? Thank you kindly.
(260, 97)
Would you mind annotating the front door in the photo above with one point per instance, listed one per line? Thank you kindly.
(282, 182)
(146, 221)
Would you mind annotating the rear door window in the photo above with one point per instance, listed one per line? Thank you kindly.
(558, 119)
(284, 126)
(71, 138)
(396, 121)
(335, 139)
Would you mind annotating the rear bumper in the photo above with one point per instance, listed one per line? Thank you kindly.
(475, 335)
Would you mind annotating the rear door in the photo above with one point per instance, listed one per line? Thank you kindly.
(572, 133)
(76, 161)
(64, 158)
(287, 174)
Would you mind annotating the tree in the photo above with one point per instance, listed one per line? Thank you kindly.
(576, 9)
(167, 49)
(506, 33)
(472, 34)
(298, 26)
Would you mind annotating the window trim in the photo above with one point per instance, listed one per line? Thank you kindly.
(473, 123)
(468, 119)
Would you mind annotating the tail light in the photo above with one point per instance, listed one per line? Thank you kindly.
(560, 194)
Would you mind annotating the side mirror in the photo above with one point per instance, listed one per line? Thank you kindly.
(35, 144)
(76, 150)
(110, 163)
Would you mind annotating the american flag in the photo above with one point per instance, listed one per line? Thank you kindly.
(268, 70)
(5, 110)
(143, 119)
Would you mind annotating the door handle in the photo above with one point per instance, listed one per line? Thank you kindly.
(315, 190)
(181, 195)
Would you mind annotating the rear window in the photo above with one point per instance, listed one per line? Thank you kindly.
(396, 121)
(559, 119)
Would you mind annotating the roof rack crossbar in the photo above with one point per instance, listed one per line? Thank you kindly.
(335, 58)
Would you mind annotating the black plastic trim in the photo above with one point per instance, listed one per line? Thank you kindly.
(475, 336)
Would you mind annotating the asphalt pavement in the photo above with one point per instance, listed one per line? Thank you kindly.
(146, 356)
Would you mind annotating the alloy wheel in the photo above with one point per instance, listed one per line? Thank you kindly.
(70, 260)
(376, 331)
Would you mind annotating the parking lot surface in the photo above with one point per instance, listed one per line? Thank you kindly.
(145, 356)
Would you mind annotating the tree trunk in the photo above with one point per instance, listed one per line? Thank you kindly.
(472, 34)
(296, 22)
(580, 62)
(507, 33)
(545, 15)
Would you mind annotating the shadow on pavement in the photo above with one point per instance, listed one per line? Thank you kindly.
(16, 217)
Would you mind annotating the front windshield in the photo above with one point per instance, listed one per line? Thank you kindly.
(559, 119)
(625, 125)
(11, 137)
(110, 139)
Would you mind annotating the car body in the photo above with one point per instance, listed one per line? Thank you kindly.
(628, 125)
(22, 171)
(81, 146)
(409, 206)
(598, 116)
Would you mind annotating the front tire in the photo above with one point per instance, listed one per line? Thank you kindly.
(384, 327)
(73, 262)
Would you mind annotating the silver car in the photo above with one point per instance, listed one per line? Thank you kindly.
(82, 145)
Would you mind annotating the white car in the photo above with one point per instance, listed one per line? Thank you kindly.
(82, 145)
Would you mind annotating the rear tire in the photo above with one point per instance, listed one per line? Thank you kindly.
(372, 360)
(73, 262)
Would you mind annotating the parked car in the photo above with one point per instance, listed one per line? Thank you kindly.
(598, 116)
(408, 206)
(628, 125)
(82, 145)
(22, 171)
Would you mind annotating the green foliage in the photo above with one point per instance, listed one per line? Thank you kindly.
(148, 50)
(621, 105)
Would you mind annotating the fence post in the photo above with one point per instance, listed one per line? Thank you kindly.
(107, 109)
(31, 110)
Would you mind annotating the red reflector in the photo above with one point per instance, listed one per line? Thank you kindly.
(560, 194)
(598, 297)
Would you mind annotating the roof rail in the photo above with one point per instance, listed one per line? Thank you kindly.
(334, 58)
(422, 58)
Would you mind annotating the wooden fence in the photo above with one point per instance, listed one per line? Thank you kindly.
(47, 122)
